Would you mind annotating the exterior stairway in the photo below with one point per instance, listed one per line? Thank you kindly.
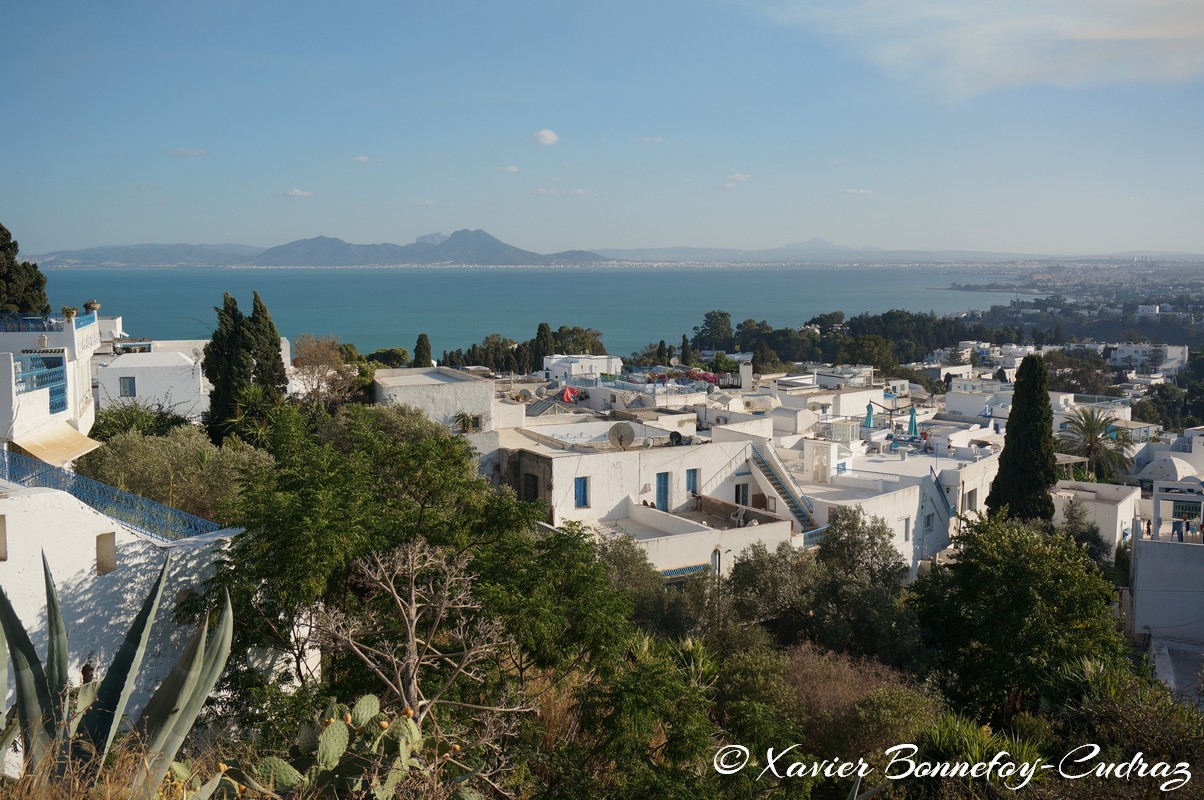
(797, 502)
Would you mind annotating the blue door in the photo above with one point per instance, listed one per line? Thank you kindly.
(662, 491)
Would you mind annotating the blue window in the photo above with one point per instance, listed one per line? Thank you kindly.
(581, 492)
(662, 491)
(692, 481)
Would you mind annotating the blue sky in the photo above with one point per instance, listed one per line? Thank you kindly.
(1068, 126)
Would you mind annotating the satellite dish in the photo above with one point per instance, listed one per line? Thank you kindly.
(710, 388)
(647, 444)
(675, 361)
(675, 437)
(196, 352)
(525, 394)
(621, 435)
(541, 391)
(813, 406)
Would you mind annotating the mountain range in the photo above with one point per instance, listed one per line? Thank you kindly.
(476, 247)
(462, 247)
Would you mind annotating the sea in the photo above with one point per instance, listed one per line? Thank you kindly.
(377, 307)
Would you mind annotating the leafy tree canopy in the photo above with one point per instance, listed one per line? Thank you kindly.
(22, 284)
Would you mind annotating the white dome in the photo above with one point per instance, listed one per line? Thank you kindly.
(1167, 468)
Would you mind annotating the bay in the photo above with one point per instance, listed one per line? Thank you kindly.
(457, 306)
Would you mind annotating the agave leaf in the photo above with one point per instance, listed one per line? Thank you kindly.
(212, 664)
(206, 791)
(57, 678)
(100, 720)
(84, 697)
(34, 704)
(10, 731)
(164, 708)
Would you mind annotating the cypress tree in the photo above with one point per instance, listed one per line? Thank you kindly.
(543, 345)
(662, 353)
(1027, 466)
(228, 365)
(422, 352)
(687, 354)
(22, 284)
(264, 341)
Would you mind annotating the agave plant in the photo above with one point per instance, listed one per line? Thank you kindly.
(61, 727)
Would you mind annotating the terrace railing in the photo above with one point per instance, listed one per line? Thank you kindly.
(137, 513)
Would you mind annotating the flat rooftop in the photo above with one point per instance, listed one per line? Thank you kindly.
(421, 376)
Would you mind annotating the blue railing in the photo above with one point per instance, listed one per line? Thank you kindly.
(31, 323)
(35, 372)
(58, 398)
(137, 513)
(940, 490)
(84, 320)
(814, 538)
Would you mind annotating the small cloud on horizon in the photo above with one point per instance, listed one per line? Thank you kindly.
(545, 137)
(858, 192)
(363, 159)
(652, 139)
(510, 169)
(298, 193)
(424, 203)
(188, 152)
(550, 191)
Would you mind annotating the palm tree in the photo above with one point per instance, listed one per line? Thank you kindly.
(1087, 435)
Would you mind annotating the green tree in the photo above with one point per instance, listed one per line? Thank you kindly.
(422, 351)
(180, 468)
(872, 350)
(392, 357)
(1027, 466)
(228, 365)
(662, 353)
(22, 284)
(134, 417)
(264, 341)
(687, 353)
(1015, 606)
(715, 333)
(1088, 434)
(542, 346)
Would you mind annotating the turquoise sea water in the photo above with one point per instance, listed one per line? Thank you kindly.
(456, 306)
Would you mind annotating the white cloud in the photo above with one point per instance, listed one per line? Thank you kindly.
(424, 203)
(362, 159)
(550, 191)
(188, 152)
(298, 193)
(652, 139)
(975, 46)
(858, 192)
(545, 137)
(735, 179)
(510, 169)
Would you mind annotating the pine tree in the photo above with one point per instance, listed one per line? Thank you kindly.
(1027, 466)
(422, 352)
(22, 284)
(264, 341)
(228, 365)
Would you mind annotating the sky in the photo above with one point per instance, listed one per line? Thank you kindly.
(1031, 126)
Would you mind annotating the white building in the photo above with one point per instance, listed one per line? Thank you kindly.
(167, 379)
(448, 397)
(46, 402)
(1165, 358)
(561, 367)
(103, 569)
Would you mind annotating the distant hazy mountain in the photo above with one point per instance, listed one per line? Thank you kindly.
(462, 247)
(149, 255)
(812, 251)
